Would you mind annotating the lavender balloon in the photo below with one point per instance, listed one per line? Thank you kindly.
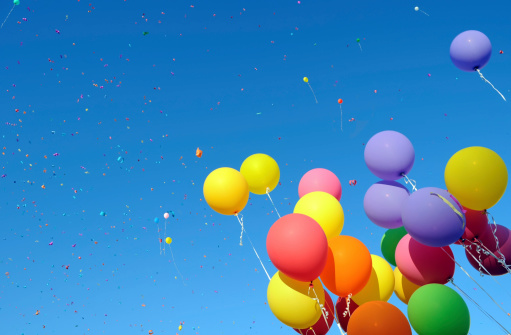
(470, 50)
(433, 217)
(389, 155)
(383, 203)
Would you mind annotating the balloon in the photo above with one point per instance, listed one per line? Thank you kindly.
(341, 308)
(470, 50)
(156, 220)
(433, 217)
(168, 240)
(321, 327)
(16, 2)
(389, 243)
(422, 264)
(378, 317)
(383, 203)
(477, 223)
(487, 239)
(358, 40)
(226, 191)
(297, 246)
(477, 177)
(380, 285)
(403, 287)
(436, 309)
(261, 173)
(320, 180)
(305, 79)
(166, 216)
(348, 266)
(180, 327)
(325, 209)
(339, 101)
(389, 155)
(292, 301)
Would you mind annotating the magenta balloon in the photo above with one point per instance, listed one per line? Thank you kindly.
(470, 50)
(383, 203)
(389, 155)
(340, 307)
(321, 327)
(423, 265)
(433, 217)
(477, 223)
(321, 180)
(494, 267)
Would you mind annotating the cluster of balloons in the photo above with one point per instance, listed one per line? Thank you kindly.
(422, 225)
(226, 190)
(306, 246)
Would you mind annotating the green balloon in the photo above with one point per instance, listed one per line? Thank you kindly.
(436, 309)
(389, 243)
(358, 40)
(16, 2)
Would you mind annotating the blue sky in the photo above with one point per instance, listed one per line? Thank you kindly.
(108, 119)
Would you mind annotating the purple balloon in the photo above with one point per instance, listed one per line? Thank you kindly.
(470, 50)
(433, 217)
(383, 203)
(389, 155)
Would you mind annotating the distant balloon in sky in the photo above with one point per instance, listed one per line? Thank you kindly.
(471, 51)
(306, 80)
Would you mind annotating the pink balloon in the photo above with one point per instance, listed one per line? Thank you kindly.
(321, 327)
(166, 215)
(489, 262)
(322, 180)
(422, 264)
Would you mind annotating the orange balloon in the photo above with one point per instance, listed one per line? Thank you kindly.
(378, 317)
(339, 101)
(348, 266)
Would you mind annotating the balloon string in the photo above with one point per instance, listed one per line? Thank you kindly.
(240, 220)
(341, 115)
(412, 182)
(486, 80)
(165, 235)
(7, 16)
(487, 252)
(268, 194)
(174, 261)
(482, 266)
(312, 92)
(249, 240)
(424, 12)
(322, 308)
(480, 308)
(460, 215)
(475, 281)
(494, 231)
(360, 45)
(159, 236)
(347, 311)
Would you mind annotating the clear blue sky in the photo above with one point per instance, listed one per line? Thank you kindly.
(108, 119)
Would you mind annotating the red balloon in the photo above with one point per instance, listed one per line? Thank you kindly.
(494, 267)
(340, 308)
(339, 101)
(321, 327)
(297, 246)
(477, 222)
(422, 264)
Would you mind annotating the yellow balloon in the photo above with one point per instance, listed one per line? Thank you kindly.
(180, 327)
(380, 285)
(403, 288)
(226, 191)
(292, 301)
(305, 79)
(325, 209)
(168, 240)
(261, 172)
(477, 177)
